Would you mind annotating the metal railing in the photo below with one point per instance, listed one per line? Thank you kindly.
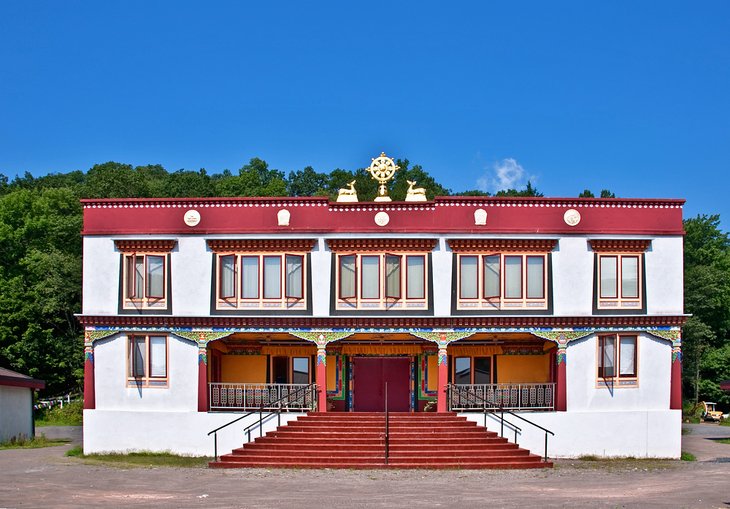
(507, 396)
(387, 427)
(231, 396)
(490, 406)
(275, 407)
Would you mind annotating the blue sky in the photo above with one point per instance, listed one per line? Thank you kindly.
(630, 96)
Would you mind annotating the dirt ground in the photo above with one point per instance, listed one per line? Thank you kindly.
(46, 478)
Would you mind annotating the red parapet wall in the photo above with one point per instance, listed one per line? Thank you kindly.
(151, 216)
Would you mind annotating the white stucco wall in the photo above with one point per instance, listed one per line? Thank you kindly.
(654, 375)
(665, 276)
(101, 276)
(16, 418)
(110, 378)
(177, 432)
(638, 433)
(572, 274)
(572, 277)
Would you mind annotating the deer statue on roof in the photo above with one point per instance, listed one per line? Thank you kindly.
(347, 194)
(415, 193)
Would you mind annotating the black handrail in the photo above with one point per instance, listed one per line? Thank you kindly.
(494, 406)
(387, 431)
(260, 411)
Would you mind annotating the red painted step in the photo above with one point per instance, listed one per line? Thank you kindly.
(357, 440)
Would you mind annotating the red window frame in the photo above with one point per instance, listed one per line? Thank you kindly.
(461, 287)
(263, 275)
(220, 277)
(378, 258)
(614, 295)
(527, 276)
(286, 277)
(484, 275)
(423, 279)
(620, 275)
(259, 272)
(523, 265)
(341, 260)
(400, 275)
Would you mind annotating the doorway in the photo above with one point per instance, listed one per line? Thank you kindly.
(370, 374)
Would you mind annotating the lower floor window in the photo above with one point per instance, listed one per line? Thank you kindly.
(147, 360)
(617, 357)
(472, 370)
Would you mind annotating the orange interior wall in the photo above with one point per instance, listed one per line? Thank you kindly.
(432, 381)
(331, 372)
(243, 368)
(523, 368)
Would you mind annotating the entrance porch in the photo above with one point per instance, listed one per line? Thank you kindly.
(248, 371)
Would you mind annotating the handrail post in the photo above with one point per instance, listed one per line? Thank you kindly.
(501, 421)
(215, 445)
(546, 440)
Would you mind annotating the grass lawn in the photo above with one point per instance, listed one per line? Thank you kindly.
(70, 415)
(724, 441)
(35, 443)
(142, 459)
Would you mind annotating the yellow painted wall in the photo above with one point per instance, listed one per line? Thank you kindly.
(243, 368)
(331, 372)
(432, 382)
(523, 368)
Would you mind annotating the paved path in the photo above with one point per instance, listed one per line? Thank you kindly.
(701, 440)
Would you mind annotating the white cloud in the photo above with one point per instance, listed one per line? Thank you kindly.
(503, 175)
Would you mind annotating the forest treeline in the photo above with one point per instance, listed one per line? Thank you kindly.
(40, 266)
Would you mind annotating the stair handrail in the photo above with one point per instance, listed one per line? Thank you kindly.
(387, 431)
(260, 411)
(502, 420)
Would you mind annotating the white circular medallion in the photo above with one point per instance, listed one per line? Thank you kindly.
(192, 217)
(571, 217)
(382, 218)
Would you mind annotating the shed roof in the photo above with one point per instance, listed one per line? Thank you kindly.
(15, 379)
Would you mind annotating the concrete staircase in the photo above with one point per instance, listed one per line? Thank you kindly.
(357, 440)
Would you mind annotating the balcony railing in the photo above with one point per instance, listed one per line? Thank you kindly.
(507, 396)
(230, 396)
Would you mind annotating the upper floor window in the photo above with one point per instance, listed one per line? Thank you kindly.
(145, 274)
(381, 274)
(147, 360)
(619, 274)
(617, 359)
(267, 279)
(495, 275)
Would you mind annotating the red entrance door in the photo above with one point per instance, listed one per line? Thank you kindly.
(369, 377)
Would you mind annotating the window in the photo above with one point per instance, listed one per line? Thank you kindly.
(300, 370)
(260, 281)
(145, 280)
(501, 281)
(619, 274)
(381, 281)
(147, 361)
(617, 360)
(619, 281)
(472, 370)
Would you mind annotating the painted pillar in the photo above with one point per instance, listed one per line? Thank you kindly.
(675, 399)
(202, 378)
(443, 362)
(321, 379)
(561, 400)
(89, 394)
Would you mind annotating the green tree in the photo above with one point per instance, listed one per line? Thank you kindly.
(307, 182)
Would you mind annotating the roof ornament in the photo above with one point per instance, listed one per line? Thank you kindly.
(347, 194)
(415, 193)
(382, 169)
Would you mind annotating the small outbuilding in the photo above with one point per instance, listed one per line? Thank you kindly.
(16, 404)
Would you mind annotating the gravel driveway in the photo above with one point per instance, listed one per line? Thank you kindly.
(46, 478)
